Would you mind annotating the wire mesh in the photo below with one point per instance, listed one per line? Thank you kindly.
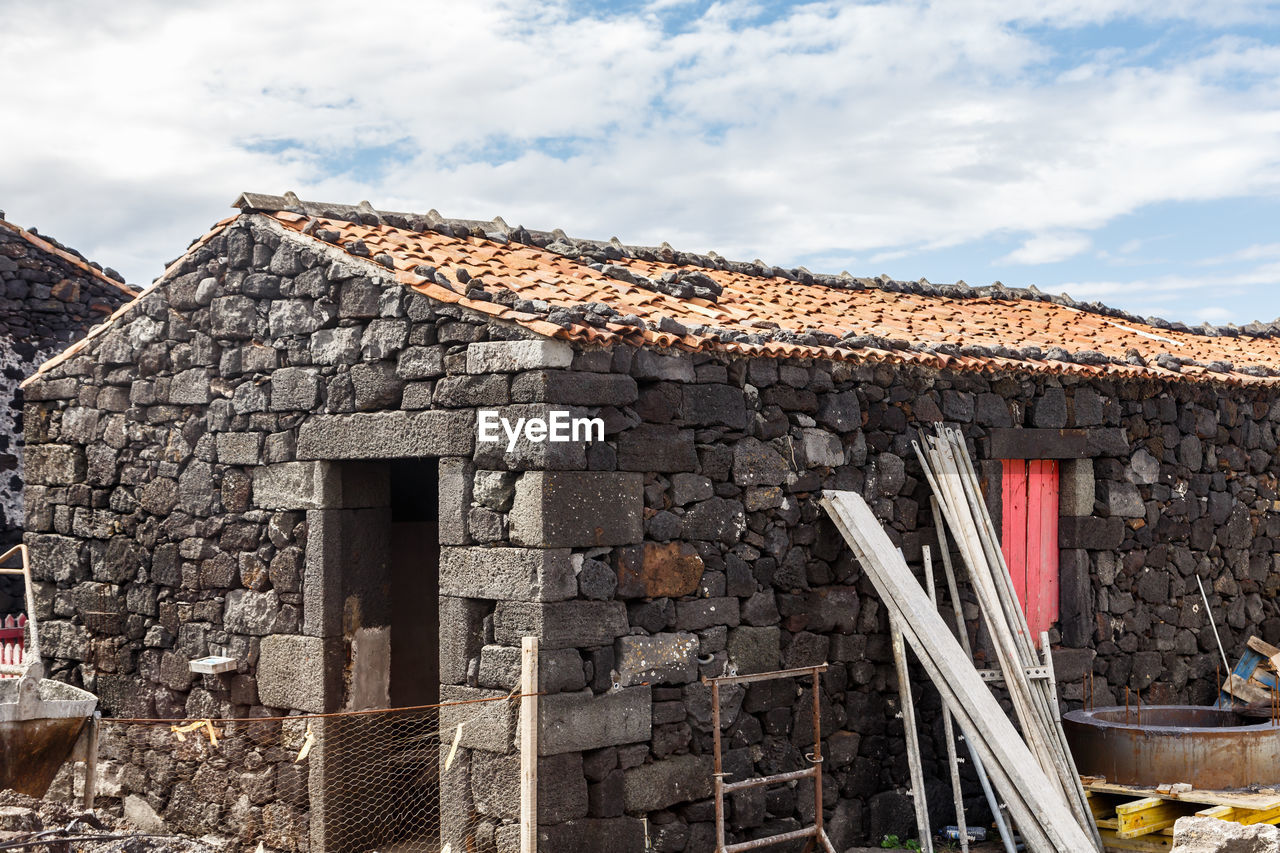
(409, 780)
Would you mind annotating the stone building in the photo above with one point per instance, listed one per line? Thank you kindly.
(50, 295)
(277, 454)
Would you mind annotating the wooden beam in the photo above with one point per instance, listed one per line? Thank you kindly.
(1148, 815)
(529, 745)
(1111, 840)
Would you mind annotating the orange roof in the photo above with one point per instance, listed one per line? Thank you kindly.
(761, 311)
(606, 293)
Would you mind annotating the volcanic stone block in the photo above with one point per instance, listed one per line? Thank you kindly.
(573, 388)
(1076, 487)
(658, 659)
(755, 649)
(716, 519)
(657, 447)
(822, 448)
(520, 574)
(594, 835)
(565, 509)
(559, 670)
(706, 613)
(56, 558)
(387, 435)
(662, 784)
(53, 464)
(658, 570)
(840, 412)
(756, 463)
(1124, 501)
(715, 404)
(573, 722)
(1098, 534)
(233, 317)
(648, 364)
(294, 388)
(514, 356)
(560, 624)
(190, 386)
(249, 612)
(488, 726)
(300, 673)
(239, 448)
(461, 636)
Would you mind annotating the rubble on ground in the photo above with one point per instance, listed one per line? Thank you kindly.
(25, 818)
(1210, 835)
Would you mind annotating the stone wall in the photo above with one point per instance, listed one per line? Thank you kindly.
(184, 469)
(46, 302)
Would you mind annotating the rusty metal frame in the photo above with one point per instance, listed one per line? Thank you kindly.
(816, 834)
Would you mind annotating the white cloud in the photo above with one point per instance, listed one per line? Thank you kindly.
(833, 129)
(1047, 249)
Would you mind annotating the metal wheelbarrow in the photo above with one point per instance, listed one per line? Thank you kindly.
(40, 719)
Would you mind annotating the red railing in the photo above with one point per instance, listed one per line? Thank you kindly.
(12, 637)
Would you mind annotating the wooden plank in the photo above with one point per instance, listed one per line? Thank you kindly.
(1042, 561)
(1244, 690)
(1013, 542)
(1262, 647)
(1148, 815)
(1051, 740)
(1112, 841)
(952, 476)
(529, 745)
(1038, 806)
(1205, 798)
(1021, 443)
(923, 831)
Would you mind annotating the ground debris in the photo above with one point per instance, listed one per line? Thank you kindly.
(1210, 835)
(76, 830)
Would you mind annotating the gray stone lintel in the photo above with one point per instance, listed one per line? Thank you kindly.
(320, 485)
(1020, 443)
(511, 574)
(388, 435)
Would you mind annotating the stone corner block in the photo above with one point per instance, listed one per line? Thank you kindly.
(573, 722)
(486, 725)
(514, 356)
(560, 624)
(519, 574)
(300, 673)
(661, 784)
(53, 464)
(567, 509)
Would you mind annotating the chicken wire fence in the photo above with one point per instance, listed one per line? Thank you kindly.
(430, 779)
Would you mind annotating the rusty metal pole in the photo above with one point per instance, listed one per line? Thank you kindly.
(817, 755)
(719, 774)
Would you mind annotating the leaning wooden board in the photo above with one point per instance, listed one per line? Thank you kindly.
(1041, 810)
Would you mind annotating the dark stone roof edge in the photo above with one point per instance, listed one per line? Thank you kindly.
(49, 245)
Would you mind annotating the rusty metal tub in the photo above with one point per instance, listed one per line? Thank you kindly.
(40, 719)
(1207, 747)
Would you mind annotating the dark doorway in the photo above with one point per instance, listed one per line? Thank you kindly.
(415, 583)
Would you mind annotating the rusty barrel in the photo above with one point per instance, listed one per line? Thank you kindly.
(1206, 747)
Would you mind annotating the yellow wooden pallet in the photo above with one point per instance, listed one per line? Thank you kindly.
(1139, 819)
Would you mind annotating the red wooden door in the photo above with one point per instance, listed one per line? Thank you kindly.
(1029, 540)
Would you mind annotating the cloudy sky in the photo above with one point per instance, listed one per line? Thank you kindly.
(1124, 151)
